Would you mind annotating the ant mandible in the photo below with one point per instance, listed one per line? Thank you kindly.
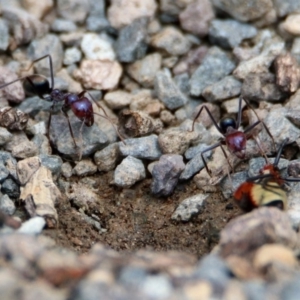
(265, 189)
(80, 105)
(233, 138)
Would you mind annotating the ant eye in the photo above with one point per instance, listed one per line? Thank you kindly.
(226, 123)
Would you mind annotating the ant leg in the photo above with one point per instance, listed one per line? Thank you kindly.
(203, 159)
(105, 117)
(277, 158)
(70, 127)
(226, 156)
(81, 141)
(262, 122)
(211, 117)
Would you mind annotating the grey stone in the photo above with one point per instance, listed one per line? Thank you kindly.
(131, 43)
(284, 8)
(32, 105)
(221, 33)
(255, 290)
(72, 56)
(33, 226)
(215, 65)
(167, 91)
(230, 184)
(106, 159)
(130, 171)
(258, 87)
(166, 174)
(195, 150)
(295, 50)
(96, 20)
(37, 128)
(176, 140)
(203, 135)
(226, 88)
(93, 138)
(9, 162)
(157, 286)
(42, 143)
(74, 10)
(3, 172)
(241, 11)
(4, 35)
(132, 276)
(40, 47)
(145, 147)
(189, 207)
(279, 130)
(117, 99)
(145, 69)
(24, 149)
(5, 136)
(214, 270)
(66, 170)
(97, 47)
(195, 18)
(183, 82)
(7, 205)
(52, 162)
(24, 25)
(259, 64)
(85, 167)
(171, 40)
(291, 289)
(62, 25)
(10, 188)
(194, 165)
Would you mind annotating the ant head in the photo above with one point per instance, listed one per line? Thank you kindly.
(36, 85)
(227, 122)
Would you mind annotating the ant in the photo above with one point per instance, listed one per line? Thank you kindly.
(80, 105)
(233, 138)
(268, 190)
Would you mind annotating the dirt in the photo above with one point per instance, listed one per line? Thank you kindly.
(134, 219)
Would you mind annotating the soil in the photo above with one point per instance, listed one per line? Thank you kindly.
(134, 219)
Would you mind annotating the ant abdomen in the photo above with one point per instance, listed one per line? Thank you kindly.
(36, 84)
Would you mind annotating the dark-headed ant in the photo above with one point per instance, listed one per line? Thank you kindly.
(80, 105)
(265, 189)
(233, 138)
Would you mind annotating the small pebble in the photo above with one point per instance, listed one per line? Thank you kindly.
(84, 168)
(131, 43)
(10, 188)
(145, 148)
(106, 159)
(72, 56)
(96, 47)
(99, 75)
(66, 170)
(165, 174)
(189, 207)
(33, 226)
(61, 25)
(52, 162)
(24, 149)
(5, 136)
(123, 12)
(7, 205)
(167, 91)
(130, 171)
(117, 99)
(215, 66)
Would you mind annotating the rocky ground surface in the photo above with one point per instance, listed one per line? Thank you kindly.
(140, 218)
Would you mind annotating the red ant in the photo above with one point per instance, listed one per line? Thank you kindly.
(268, 191)
(234, 139)
(78, 103)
